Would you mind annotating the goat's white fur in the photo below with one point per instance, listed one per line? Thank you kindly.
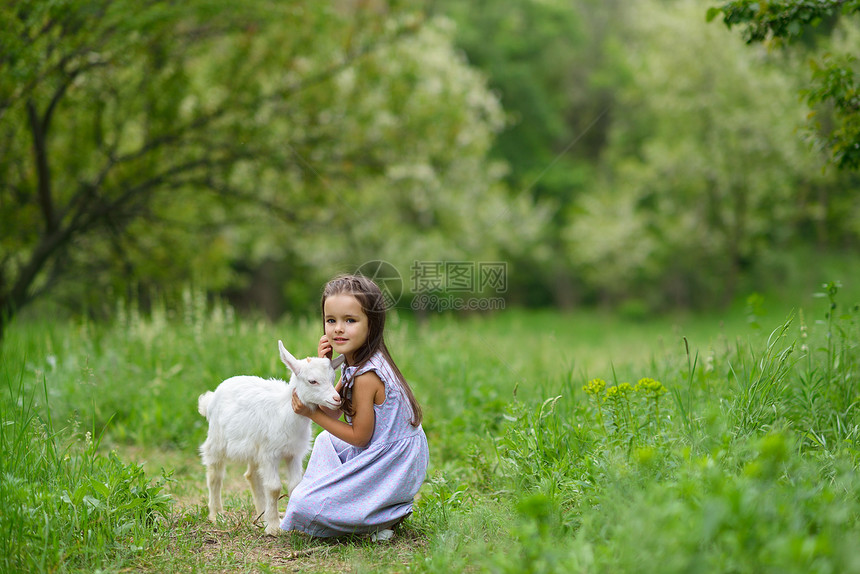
(252, 420)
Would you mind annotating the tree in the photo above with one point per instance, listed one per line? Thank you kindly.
(159, 141)
(834, 76)
(411, 130)
(545, 60)
(115, 111)
(703, 171)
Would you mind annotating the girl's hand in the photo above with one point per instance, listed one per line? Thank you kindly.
(368, 391)
(324, 349)
(299, 407)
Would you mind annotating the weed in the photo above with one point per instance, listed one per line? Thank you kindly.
(741, 456)
(63, 503)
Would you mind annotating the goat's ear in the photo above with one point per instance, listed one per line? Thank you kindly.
(289, 360)
(337, 361)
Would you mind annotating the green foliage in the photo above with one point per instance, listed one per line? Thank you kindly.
(675, 175)
(833, 81)
(165, 359)
(757, 494)
(734, 449)
(148, 145)
(545, 60)
(834, 84)
(776, 514)
(824, 402)
(781, 19)
(415, 125)
(533, 54)
(762, 383)
(268, 146)
(65, 505)
(702, 160)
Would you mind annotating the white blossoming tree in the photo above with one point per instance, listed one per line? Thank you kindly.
(152, 144)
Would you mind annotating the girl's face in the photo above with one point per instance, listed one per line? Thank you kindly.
(346, 325)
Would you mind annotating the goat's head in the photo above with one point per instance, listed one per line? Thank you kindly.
(314, 378)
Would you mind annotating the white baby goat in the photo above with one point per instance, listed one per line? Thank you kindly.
(252, 420)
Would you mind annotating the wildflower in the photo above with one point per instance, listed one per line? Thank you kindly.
(654, 389)
(650, 386)
(594, 387)
(618, 392)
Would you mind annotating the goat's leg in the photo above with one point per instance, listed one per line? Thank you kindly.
(214, 478)
(252, 475)
(271, 482)
(294, 473)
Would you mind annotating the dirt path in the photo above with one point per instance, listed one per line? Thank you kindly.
(235, 543)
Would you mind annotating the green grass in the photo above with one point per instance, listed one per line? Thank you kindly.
(63, 502)
(715, 443)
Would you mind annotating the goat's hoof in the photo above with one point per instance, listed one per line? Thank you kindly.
(273, 530)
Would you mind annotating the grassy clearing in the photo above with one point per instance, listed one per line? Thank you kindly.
(559, 442)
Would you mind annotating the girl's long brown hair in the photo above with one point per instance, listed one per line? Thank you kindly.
(369, 296)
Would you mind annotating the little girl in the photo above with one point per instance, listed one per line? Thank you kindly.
(363, 473)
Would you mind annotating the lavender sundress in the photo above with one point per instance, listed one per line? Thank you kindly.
(352, 490)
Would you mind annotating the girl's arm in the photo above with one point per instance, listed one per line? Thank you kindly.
(367, 391)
